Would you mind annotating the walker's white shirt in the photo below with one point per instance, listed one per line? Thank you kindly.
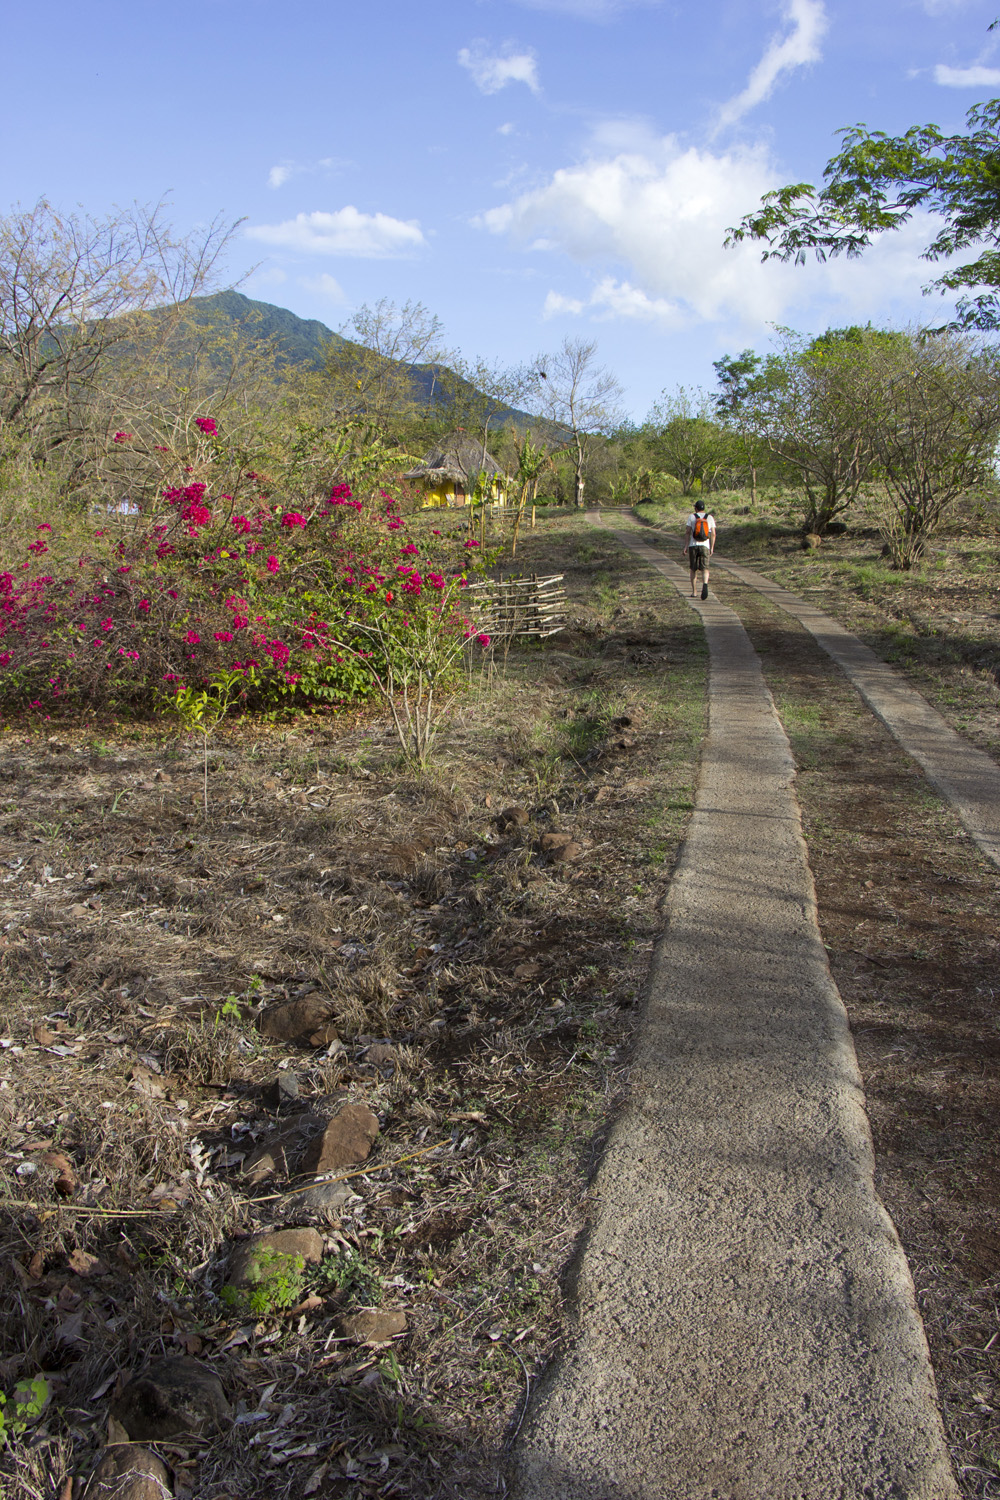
(711, 530)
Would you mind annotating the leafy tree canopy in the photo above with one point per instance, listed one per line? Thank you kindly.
(877, 182)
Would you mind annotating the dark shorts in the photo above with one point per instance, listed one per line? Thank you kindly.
(698, 558)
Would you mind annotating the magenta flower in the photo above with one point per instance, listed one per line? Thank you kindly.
(223, 635)
(193, 638)
(123, 437)
(292, 518)
(108, 624)
(272, 564)
(410, 550)
(207, 426)
(144, 606)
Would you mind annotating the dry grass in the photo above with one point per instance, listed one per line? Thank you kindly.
(141, 944)
(910, 912)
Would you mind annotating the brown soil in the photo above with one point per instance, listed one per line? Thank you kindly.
(473, 991)
(936, 624)
(910, 912)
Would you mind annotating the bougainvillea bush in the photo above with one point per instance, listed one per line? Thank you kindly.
(322, 603)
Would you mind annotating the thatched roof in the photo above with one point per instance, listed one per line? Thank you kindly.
(458, 457)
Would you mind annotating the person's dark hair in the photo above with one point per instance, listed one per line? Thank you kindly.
(699, 505)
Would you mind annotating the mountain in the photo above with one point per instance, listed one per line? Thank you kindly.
(302, 341)
(297, 341)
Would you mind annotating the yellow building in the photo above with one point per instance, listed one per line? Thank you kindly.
(451, 472)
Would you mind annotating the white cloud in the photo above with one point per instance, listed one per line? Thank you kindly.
(492, 71)
(556, 303)
(507, 128)
(617, 299)
(324, 286)
(345, 232)
(800, 46)
(976, 77)
(649, 226)
(280, 174)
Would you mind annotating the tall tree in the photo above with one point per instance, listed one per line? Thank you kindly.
(877, 182)
(483, 394)
(370, 365)
(806, 411)
(741, 381)
(76, 290)
(686, 439)
(930, 407)
(580, 396)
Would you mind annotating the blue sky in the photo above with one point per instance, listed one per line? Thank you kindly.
(527, 170)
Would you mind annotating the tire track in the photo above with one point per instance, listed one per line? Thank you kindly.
(746, 1327)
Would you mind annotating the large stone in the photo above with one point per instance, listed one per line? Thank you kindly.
(254, 1259)
(277, 1156)
(324, 1199)
(512, 818)
(561, 848)
(296, 1020)
(372, 1325)
(173, 1396)
(345, 1142)
(126, 1472)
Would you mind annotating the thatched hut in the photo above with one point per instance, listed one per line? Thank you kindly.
(450, 472)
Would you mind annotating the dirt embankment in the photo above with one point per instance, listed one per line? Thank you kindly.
(190, 1002)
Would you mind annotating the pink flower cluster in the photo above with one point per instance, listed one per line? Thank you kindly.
(207, 426)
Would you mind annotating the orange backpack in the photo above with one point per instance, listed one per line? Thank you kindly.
(700, 531)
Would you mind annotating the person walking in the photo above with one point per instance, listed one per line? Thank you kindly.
(699, 544)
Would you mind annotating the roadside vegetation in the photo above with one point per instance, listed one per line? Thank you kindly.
(326, 908)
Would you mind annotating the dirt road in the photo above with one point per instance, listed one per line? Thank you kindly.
(746, 1323)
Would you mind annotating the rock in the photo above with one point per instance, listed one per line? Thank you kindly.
(173, 1396)
(126, 1472)
(511, 818)
(284, 1090)
(372, 1325)
(277, 1157)
(253, 1258)
(327, 1036)
(324, 1198)
(381, 1053)
(78, 911)
(560, 847)
(346, 1141)
(296, 1020)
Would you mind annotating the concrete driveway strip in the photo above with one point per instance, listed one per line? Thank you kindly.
(745, 1319)
(965, 777)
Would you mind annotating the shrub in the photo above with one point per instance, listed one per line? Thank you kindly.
(324, 602)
